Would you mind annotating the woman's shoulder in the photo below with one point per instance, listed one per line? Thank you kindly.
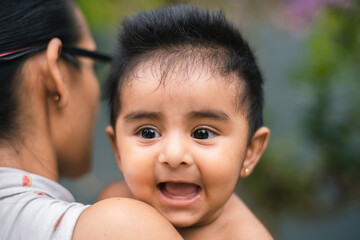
(123, 218)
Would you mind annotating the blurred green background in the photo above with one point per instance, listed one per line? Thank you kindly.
(307, 186)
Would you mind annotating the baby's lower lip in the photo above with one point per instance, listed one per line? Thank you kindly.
(179, 194)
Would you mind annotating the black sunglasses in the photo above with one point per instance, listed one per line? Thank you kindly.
(65, 49)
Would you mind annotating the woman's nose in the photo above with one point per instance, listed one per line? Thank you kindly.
(175, 152)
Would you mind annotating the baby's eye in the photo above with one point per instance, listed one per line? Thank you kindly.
(148, 133)
(202, 134)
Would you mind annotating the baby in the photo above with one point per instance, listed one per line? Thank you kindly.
(186, 102)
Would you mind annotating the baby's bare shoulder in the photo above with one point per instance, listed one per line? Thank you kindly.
(242, 223)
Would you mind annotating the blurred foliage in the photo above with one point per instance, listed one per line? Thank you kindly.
(333, 121)
(103, 14)
(331, 126)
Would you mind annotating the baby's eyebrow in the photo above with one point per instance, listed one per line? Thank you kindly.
(138, 115)
(213, 114)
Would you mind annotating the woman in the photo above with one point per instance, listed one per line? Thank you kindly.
(48, 105)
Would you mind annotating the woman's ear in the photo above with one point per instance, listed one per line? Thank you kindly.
(256, 148)
(112, 138)
(54, 81)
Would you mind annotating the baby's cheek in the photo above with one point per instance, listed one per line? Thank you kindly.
(221, 176)
(220, 166)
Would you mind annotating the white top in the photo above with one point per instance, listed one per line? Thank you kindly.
(34, 207)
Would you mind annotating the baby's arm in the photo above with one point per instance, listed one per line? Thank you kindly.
(116, 189)
(121, 218)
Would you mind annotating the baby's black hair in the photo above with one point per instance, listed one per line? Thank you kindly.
(184, 27)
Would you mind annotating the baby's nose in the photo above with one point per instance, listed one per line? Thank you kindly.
(175, 152)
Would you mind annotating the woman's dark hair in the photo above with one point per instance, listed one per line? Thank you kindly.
(23, 24)
(185, 28)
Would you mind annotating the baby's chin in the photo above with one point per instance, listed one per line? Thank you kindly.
(183, 223)
(184, 220)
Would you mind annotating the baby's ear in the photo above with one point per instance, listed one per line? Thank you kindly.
(256, 148)
(112, 138)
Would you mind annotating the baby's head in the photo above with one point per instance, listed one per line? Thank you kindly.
(187, 36)
(186, 102)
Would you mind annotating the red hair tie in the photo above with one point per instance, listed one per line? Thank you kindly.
(11, 52)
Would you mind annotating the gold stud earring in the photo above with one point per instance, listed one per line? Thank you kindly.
(57, 98)
(247, 171)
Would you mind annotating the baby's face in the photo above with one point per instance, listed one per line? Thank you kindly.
(181, 145)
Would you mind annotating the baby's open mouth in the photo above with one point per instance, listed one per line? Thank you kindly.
(179, 191)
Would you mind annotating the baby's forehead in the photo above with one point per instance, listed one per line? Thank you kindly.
(181, 59)
(181, 64)
(185, 66)
(156, 75)
(180, 74)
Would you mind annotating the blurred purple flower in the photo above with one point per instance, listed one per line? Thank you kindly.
(300, 13)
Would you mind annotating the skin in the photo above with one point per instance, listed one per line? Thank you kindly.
(189, 133)
(57, 114)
